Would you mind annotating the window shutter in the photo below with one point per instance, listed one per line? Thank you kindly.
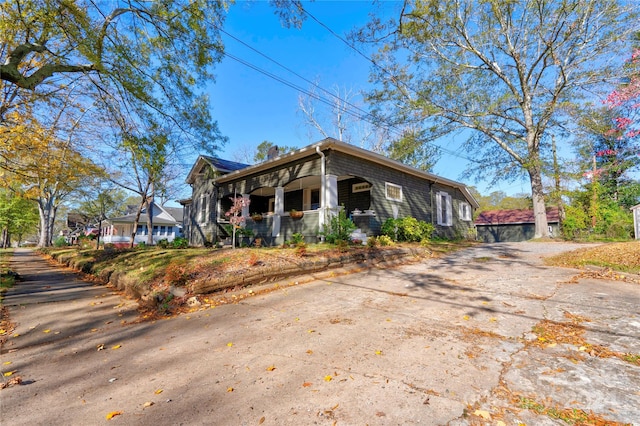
(439, 207)
(449, 210)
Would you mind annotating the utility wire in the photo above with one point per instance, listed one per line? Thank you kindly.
(359, 113)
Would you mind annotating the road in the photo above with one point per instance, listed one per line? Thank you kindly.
(444, 341)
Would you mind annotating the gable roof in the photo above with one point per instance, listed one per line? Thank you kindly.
(514, 217)
(218, 164)
(161, 216)
(330, 143)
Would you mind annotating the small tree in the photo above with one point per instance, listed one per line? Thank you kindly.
(339, 229)
(235, 216)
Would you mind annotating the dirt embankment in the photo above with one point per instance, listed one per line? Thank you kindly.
(151, 273)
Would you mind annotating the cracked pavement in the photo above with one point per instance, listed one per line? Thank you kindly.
(445, 341)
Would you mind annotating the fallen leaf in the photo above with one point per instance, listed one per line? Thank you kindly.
(501, 423)
(493, 319)
(466, 317)
(3, 331)
(158, 391)
(328, 378)
(229, 389)
(309, 351)
(271, 368)
(481, 413)
(9, 373)
(46, 331)
(113, 414)
(261, 420)
(147, 404)
(229, 344)
(116, 347)
(16, 335)
(93, 330)
(311, 331)
(100, 347)
(6, 363)
(378, 352)
(306, 384)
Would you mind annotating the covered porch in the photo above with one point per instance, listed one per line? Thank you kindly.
(304, 205)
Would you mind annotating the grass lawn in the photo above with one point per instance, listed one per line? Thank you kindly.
(623, 257)
(7, 279)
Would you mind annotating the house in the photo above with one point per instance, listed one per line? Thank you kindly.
(636, 220)
(319, 180)
(167, 225)
(201, 226)
(498, 226)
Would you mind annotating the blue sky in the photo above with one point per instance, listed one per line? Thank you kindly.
(251, 107)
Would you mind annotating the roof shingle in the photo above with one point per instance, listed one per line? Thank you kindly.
(512, 217)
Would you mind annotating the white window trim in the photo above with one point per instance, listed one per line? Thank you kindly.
(464, 211)
(204, 209)
(388, 185)
(448, 220)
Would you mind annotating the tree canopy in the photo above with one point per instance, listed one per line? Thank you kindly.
(499, 70)
(126, 58)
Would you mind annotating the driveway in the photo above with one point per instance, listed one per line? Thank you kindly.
(443, 341)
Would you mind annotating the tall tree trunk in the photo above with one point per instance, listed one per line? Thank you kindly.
(136, 221)
(539, 207)
(47, 217)
(5, 238)
(150, 214)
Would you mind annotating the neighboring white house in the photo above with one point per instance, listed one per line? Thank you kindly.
(167, 225)
(636, 220)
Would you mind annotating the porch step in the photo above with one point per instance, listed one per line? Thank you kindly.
(359, 235)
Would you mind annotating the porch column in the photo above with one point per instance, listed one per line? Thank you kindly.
(331, 193)
(278, 208)
(245, 205)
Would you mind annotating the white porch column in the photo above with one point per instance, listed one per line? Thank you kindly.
(278, 208)
(331, 193)
(245, 205)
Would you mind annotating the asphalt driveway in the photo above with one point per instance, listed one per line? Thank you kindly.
(443, 341)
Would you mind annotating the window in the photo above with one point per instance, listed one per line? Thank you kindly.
(393, 192)
(204, 209)
(163, 230)
(311, 199)
(464, 211)
(443, 206)
(169, 230)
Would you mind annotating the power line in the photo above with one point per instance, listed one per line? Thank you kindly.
(359, 113)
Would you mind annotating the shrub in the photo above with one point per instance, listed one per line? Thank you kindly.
(339, 229)
(297, 238)
(141, 245)
(407, 229)
(180, 243)
(163, 243)
(384, 240)
(576, 220)
(60, 242)
(372, 242)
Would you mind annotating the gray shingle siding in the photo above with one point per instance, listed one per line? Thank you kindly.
(418, 197)
(415, 191)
